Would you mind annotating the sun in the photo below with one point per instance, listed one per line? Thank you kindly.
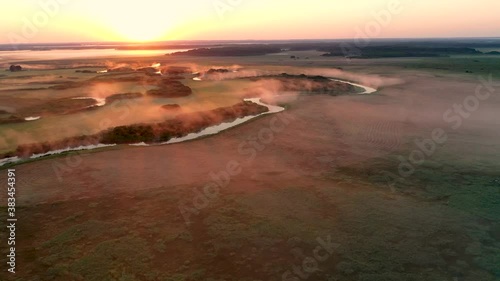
(138, 25)
(141, 30)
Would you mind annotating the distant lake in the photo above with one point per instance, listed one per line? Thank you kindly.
(28, 55)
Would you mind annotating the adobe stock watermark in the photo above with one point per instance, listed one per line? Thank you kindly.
(372, 29)
(31, 25)
(311, 264)
(222, 7)
(455, 117)
(221, 179)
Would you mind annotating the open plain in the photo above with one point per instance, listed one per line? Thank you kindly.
(400, 184)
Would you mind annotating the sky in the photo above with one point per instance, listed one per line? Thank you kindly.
(44, 21)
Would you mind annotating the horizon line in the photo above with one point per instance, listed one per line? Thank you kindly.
(248, 40)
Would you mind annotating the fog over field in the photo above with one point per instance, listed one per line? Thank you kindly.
(201, 142)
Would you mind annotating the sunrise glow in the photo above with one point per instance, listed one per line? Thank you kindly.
(154, 20)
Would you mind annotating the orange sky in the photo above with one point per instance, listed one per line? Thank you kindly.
(34, 21)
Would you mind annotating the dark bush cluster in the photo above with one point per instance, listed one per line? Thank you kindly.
(180, 126)
(169, 88)
(128, 134)
(124, 96)
(14, 68)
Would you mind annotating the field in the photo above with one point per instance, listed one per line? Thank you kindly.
(316, 192)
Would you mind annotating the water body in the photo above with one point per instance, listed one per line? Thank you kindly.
(68, 149)
(368, 90)
(98, 101)
(9, 160)
(27, 55)
(271, 109)
(212, 130)
(32, 118)
(205, 132)
(54, 152)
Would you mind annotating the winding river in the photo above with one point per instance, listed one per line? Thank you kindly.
(368, 90)
(212, 130)
(98, 103)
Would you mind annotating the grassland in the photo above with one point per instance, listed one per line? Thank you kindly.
(115, 215)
